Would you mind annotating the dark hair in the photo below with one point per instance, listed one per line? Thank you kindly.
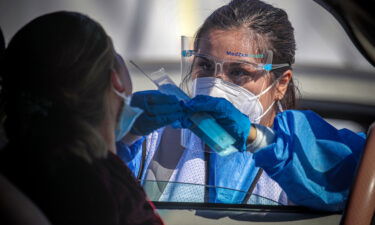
(269, 24)
(56, 76)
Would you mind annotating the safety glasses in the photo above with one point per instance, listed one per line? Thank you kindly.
(237, 61)
(208, 62)
(205, 65)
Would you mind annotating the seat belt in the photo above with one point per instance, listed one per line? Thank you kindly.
(143, 160)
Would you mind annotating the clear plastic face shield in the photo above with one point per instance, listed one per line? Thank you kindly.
(234, 61)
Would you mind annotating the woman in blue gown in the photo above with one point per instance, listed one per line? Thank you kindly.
(241, 73)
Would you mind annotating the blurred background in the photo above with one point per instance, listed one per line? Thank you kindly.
(334, 78)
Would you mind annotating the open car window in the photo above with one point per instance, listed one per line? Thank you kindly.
(335, 80)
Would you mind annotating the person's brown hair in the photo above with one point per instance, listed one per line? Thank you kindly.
(271, 27)
(55, 83)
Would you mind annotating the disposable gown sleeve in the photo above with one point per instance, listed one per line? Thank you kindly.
(131, 155)
(312, 161)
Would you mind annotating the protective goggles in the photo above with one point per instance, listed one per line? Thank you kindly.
(238, 62)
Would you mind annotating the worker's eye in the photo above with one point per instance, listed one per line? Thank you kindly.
(206, 66)
(239, 72)
(241, 69)
(203, 67)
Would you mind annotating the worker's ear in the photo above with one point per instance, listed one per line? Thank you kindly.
(282, 84)
(116, 82)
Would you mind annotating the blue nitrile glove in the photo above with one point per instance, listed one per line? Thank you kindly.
(229, 117)
(159, 110)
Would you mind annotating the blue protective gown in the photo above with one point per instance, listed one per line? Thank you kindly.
(313, 162)
(131, 155)
(233, 172)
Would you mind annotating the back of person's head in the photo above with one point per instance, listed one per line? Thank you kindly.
(55, 83)
(268, 27)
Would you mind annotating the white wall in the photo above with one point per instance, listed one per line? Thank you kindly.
(150, 30)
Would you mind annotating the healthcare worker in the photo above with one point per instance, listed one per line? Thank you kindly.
(239, 69)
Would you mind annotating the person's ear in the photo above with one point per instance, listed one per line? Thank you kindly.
(116, 82)
(127, 82)
(282, 84)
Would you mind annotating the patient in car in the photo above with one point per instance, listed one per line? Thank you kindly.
(64, 88)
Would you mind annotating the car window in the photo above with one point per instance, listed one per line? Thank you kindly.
(333, 77)
(328, 69)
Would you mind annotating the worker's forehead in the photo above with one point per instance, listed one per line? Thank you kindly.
(231, 45)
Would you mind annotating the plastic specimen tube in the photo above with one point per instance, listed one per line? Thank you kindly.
(206, 126)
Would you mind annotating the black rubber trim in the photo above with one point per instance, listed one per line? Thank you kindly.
(239, 207)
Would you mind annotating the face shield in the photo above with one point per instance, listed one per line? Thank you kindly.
(232, 61)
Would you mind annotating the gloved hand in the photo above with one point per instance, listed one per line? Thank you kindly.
(159, 110)
(229, 117)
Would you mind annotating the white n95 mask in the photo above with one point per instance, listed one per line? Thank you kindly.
(245, 101)
(127, 117)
